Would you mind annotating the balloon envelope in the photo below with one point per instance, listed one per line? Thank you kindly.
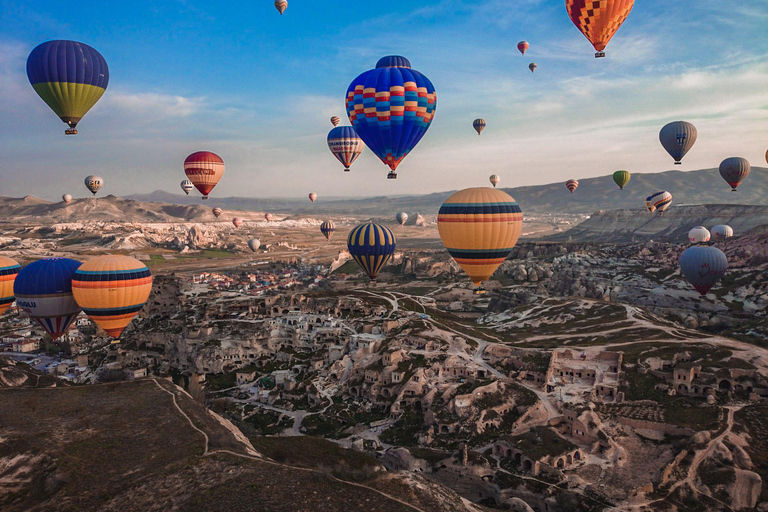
(703, 266)
(649, 204)
(9, 269)
(237, 221)
(722, 231)
(660, 200)
(523, 46)
(734, 170)
(494, 179)
(621, 178)
(187, 186)
(479, 227)
(268, 217)
(479, 125)
(43, 290)
(69, 76)
(335, 120)
(678, 138)
(281, 6)
(66, 198)
(112, 289)
(532, 66)
(402, 218)
(254, 244)
(328, 228)
(94, 183)
(391, 107)
(698, 235)
(312, 196)
(217, 212)
(598, 21)
(371, 245)
(345, 145)
(204, 169)
(571, 185)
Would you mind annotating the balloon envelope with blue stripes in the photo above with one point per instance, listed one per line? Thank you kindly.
(328, 228)
(391, 107)
(480, 227)
(9, 269)
(43, 290)
(371, 245)
(112, 290)
(69, 76)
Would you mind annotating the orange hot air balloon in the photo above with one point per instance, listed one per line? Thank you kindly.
(204, 169)
(112, 290)
(8, 271)
(237, 221)
(598, 20)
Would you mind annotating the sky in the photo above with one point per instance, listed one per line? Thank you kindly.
(258, 89)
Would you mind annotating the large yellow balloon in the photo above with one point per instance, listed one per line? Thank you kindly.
(480, 227)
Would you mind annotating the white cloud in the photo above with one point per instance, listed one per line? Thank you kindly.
(154, 105)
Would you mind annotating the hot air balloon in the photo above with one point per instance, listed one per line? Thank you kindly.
(621, 178)
(312, 196)
(721, 232)
(43, 290)
(9, 269)
(335, 120)
(254, 244)
(734, 170)
(571, 185)
(402, 218)
(112, 290)
(494, 179)
(94, 183)
(217, 212)
(678, 138)
(187, 186)
(649, 204)
(204, 169)
(268, 217)
(703, 266)
(523, 46)
(281, 6)
(599, 20)
(479, 125)
(479, 227)
(345, 145)
(237, 221)
(404, 102)
(532, 66)
(698, 235)
(660, 201)
(371, 245)
(328, 228)
(70, 77)
(67, 198)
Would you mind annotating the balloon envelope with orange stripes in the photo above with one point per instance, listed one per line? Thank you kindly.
(480, 227)
(9, 269)
(112, 290)
(598, 20)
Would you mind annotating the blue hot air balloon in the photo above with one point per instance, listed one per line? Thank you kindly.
(391, 108)
(69, 76)
(703, 266)
(371, 245)
(43, 290)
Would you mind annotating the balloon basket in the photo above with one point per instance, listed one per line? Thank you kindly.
(678, 163)
(392, 175)
(205, 197)
(599, 55)
(70, 132)
(346, 170)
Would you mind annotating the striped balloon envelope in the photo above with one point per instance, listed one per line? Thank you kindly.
(335, 120)
(734, 170)
(217, 212)
(371, 245)
(391, 108)
(328, 228)
(43, 290)
(479, 125)
(598, 20)
(703, 266)
(660, 201)
(649, 205)
(479, 227)
(494, 179)
(571, 185)
(9, 269)
(70, 77)
(523, 46)
(345, 145)
(112, 290)
(281, 6)
(204, 169)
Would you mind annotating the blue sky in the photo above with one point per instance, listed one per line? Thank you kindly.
(258, 89)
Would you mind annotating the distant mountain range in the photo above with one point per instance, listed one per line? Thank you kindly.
(693, 187)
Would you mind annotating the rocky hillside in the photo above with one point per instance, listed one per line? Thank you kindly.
(637, 224)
